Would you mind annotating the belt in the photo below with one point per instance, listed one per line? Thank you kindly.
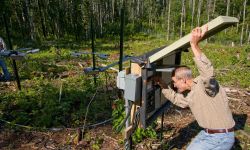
(212, 131)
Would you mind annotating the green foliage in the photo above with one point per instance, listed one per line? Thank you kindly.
(141, 134)
(97, 143)
(118, 116)
(39, 105)
(247, 49)
(35, 22)
(118, 113)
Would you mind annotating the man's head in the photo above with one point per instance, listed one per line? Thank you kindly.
(182, 78)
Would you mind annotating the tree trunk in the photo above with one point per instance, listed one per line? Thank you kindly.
(214, 7)
(138, 8)
(227, 13)
(29, 19)
(228, 7)
(208, 10)
(150, 16)
(182, 16)
(133, 12)
(100, 19)
(248, 41)
(199, 12)
(239, 16)
(208, 13)
(169, 10)
(42, 19)
(19, 16)
(246, 30)
(113, 10)
(193, 9)
(243, 23)
(190, 5)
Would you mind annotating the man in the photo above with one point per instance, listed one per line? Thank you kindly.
(206, 99)
(6, 75)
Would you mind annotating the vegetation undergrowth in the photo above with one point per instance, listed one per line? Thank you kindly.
(55, 93)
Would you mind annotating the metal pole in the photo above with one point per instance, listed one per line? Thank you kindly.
(121, 36)
(162, 119)
(121, 42)
(11, 48)
(93, 43)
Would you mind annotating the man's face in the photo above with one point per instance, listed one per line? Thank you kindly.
(180, 84)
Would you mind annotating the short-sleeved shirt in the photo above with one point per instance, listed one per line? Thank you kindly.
(207, 100)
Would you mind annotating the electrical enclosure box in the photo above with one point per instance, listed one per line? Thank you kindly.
(120, 80)
(132, 87)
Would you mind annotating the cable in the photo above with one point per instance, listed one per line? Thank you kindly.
(19, 125)
(84, 123)
(58, 129)
(137, 120)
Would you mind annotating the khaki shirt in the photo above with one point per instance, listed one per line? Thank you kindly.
(207, 100)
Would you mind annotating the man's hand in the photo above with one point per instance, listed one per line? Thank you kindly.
(196, 35)
(160, 82)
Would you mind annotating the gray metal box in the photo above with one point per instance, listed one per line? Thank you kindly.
(120, 80)
(132, 87)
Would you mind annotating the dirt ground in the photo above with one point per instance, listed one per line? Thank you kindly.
(178, 130)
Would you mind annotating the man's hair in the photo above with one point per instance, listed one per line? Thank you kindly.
(182, 72)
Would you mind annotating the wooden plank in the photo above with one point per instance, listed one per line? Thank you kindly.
(132, 113)
(214, 26)
(128, 131)
(135, 69)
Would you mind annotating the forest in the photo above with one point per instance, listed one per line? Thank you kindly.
(39, 20)
(59, 106)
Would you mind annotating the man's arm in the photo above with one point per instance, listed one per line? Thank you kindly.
(196, 35)
(170, 94)
(175, 98)
(204, 65)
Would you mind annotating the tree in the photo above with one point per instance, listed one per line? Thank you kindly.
(182, 16)
(169, 10)
(243, 23)
(193, 9)
(199, 12)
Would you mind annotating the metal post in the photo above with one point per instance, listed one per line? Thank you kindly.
(162, 120)
(93, 43)
(11, 48)
(121, 42)
(121, 36)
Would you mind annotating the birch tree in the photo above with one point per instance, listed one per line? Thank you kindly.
(214, 6)
(228, 7)
(182, 16)
(199, 12)
(227, 13)
(169, 10)
(193, 9)
(243, 23)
